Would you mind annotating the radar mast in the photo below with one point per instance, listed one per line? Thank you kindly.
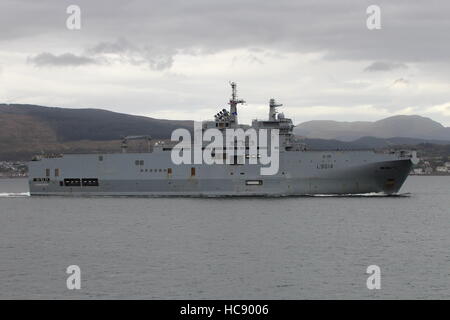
(273, 109)
(234, 101)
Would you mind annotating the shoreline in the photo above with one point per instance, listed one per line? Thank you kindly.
(415, 175)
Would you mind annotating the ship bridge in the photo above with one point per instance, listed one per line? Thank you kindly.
(225, 119)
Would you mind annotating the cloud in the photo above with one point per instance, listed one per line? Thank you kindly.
(439, 109)
(119, 51)
(119, 46)
(63, 60)
(306, 53)
(411, 30)
(400, 83)
(248, 59)
(384, 66)
(123, 51)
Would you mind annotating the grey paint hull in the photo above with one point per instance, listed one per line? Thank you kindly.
(300, 173)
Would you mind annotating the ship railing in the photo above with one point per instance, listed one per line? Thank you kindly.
(46, 156)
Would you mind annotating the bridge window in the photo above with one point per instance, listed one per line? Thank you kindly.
(192, 172)
(72, 182)
(57, 172)
(90, 182)
(47, 172)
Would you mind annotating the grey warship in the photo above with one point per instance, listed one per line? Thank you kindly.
(301, 171)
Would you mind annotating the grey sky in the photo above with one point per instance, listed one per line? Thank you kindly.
(174, 59)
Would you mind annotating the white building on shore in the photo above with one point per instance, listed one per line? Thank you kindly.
(442, 169)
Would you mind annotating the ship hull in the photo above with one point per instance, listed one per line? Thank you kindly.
(300, 173)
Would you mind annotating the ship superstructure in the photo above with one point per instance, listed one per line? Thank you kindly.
(153, 173)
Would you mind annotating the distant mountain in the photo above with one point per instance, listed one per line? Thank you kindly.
(415, 127)
(26, 130)
(368, 143)
(30, 129)
(85, 124)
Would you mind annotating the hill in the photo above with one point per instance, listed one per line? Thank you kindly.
(369, 143)
(26, 130)
(29, 129)
(411, 126)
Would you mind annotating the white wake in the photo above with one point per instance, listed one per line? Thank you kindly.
(14, 194)
(371, 194)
